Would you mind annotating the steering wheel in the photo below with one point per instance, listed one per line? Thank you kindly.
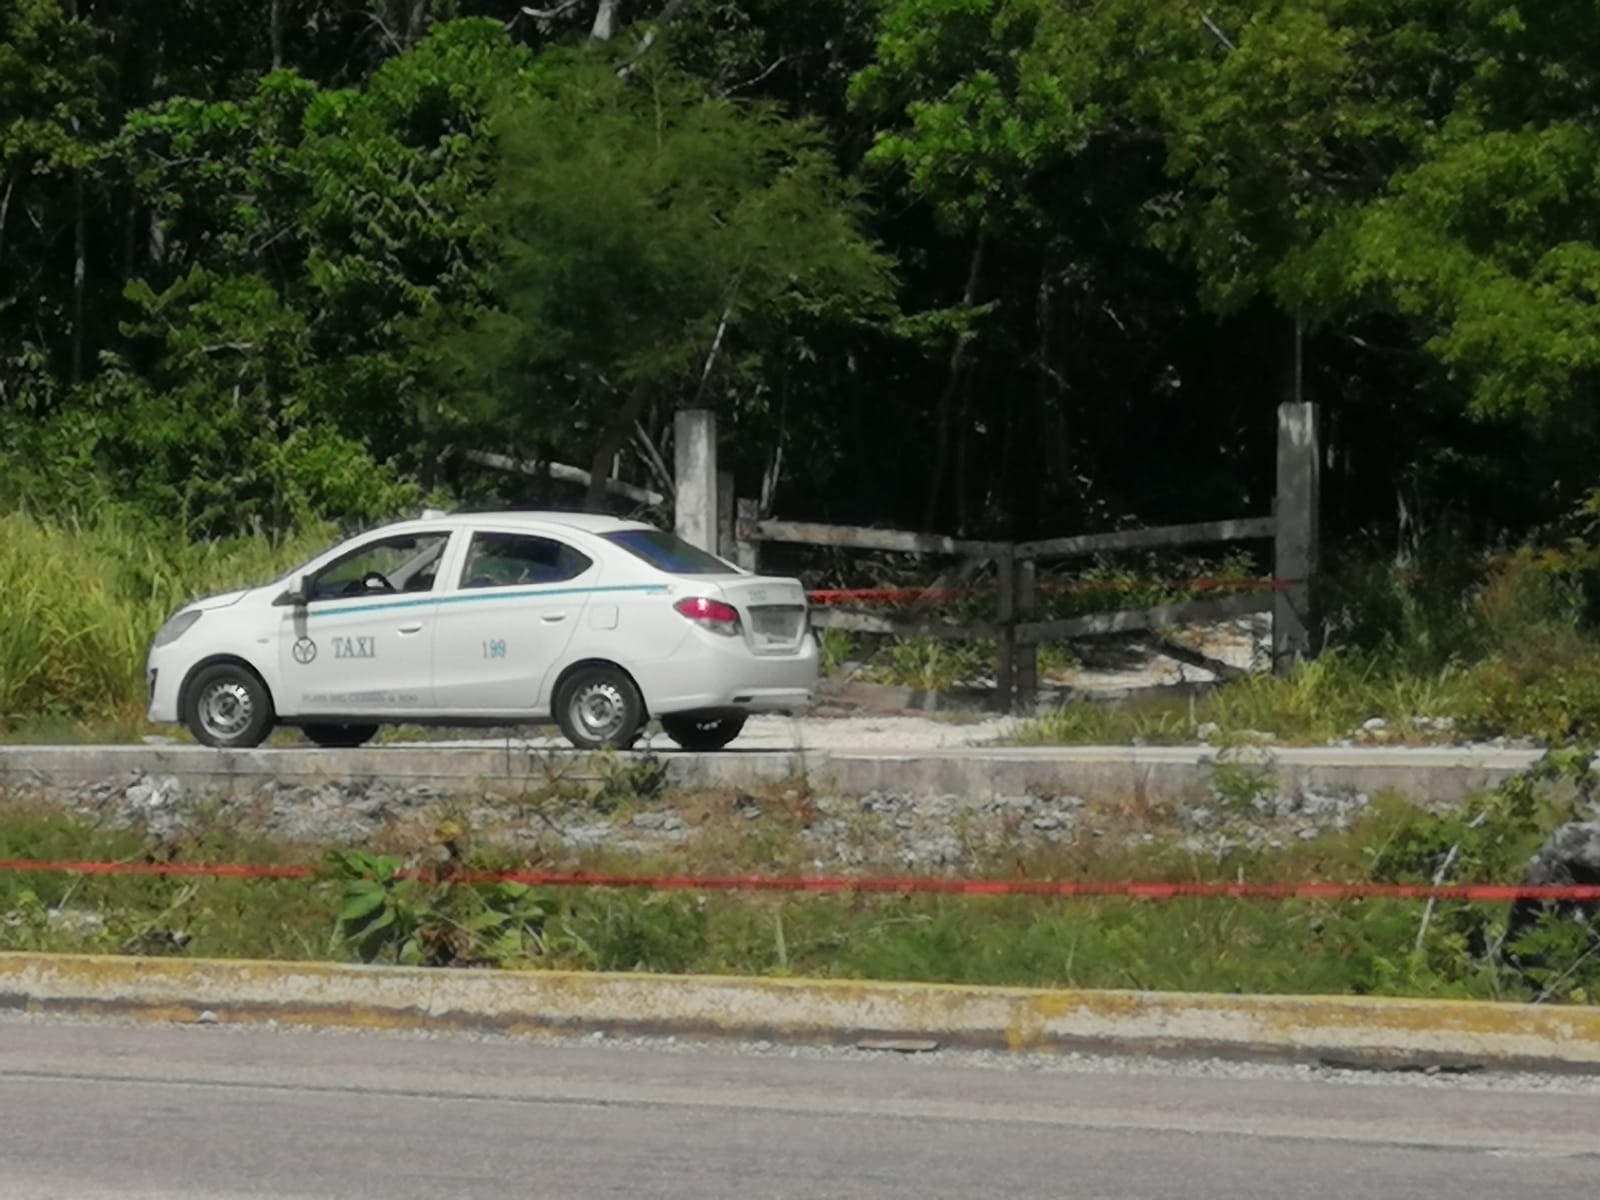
(376, 581)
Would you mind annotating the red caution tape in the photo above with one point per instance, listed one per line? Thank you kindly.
(1482, 893)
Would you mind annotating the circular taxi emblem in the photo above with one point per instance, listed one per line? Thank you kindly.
(304, 651)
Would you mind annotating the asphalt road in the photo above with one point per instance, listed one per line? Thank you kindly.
(91, 1110)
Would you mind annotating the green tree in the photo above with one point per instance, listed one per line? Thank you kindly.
(52, 118)
(268, 368)
(658, 245)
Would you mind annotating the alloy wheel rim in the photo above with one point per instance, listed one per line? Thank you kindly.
(226, 709)
(600, 710)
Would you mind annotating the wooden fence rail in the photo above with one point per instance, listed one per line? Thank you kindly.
(1017, 630)
(1157, 536)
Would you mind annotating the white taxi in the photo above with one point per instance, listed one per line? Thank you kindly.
(491, 618)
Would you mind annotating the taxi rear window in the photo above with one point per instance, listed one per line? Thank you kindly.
(669, 552)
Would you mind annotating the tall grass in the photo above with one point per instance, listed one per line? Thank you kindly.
(1502, 649)
(83, 598)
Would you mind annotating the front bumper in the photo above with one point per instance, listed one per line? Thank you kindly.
(163, 682)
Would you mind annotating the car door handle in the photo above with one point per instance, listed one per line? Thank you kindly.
(552, 618)
(414, 627)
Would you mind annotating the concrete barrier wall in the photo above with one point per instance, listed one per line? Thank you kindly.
(1172, 773)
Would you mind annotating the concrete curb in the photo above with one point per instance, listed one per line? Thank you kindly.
(1174, 773)
(1356, 1031)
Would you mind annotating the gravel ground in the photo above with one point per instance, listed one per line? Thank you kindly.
(882, 829)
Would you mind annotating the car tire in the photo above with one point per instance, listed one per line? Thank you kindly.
(340, 737)
(228, 706)
(599, 708)
(693, 732)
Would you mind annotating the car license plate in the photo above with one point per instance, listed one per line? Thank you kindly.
(777, 624)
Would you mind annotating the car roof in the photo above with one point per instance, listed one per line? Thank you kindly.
(586, 522)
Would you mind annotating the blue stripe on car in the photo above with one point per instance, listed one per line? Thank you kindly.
(486, 594)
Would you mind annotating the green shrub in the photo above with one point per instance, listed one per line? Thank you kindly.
(931, 664)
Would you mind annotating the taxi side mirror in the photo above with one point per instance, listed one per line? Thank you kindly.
(299, 595)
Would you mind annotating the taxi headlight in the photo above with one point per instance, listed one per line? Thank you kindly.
(177, 625)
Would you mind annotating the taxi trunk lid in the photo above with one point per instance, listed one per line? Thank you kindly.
(773, 612)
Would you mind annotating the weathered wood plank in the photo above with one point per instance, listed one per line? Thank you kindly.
(1133, 620)
(860, 538)
(1201, 533)
(503, 462)
(1005, 670)
(1027, 588)
(860, 622)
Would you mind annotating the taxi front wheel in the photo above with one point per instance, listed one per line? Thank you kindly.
(599, 708)
(227, 706)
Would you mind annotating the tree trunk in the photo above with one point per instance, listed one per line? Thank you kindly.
(417, 22)
(964, 425)
(80, 266)
(80, 273)
(958, 354)
(130, 235)
(668, 12)
(605, 21)
(275, 24)
(5, 213)
(773, 474)
(612, 440)
(711, 355)
(156, 240)
(1027, 507)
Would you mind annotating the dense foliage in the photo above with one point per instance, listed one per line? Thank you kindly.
(980, 265)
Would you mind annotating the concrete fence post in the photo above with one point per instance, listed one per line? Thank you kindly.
(1295, 548)
(694, 438)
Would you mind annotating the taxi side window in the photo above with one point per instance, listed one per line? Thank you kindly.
(518, 559)
(405, 563)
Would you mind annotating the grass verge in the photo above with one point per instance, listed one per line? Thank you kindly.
(359, 909)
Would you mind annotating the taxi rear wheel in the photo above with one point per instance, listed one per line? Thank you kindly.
(599, 708)
(228, 706)
(701, 733)
(340, 737)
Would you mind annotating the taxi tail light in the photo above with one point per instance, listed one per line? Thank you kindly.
(710, 614)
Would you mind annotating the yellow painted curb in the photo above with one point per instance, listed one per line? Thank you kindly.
(1370, 1030)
